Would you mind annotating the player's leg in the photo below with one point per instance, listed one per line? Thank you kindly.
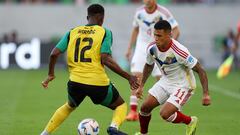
(170, 110)
(145, 112)
(58, 117)
(170, 113)
(137, 65)
(133, 113)
(119, 115)
(108, 96)
(74, 99)
(156, 96)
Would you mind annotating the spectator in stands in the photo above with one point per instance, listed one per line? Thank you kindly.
(14, 37)
(5, 38)
(230, 47)
(186, 1)
(135, 1)
(237, 41)
(238, 33)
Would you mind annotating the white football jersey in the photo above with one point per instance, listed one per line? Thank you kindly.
(145, 21)
(176, 64)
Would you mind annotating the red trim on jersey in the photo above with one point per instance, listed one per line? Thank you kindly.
(164, 11)
(168, 46)
(155, 8)
(151, 44)
(179, 51)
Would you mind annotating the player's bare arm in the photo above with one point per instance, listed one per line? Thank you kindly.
(146, 73)
(110, 63)
(133, 39)
(206, 100)
(53, 58)
(175, 33)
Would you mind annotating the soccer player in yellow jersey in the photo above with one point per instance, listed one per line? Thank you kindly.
(88, 50)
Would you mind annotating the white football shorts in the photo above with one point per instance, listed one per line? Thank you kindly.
(138, 62)
(175, 95)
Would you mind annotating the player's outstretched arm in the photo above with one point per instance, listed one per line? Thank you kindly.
(146, 72)
(110, 63)
(53, 58)
(206, 100)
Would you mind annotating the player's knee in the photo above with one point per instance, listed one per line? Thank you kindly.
(72, 105)
(116, 103)
(164, 115)
(145, 109)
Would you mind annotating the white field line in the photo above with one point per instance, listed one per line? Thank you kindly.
(226, 92)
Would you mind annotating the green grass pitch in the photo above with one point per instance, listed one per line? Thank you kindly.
(25, 107)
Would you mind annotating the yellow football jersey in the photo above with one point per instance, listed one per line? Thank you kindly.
(84, 55)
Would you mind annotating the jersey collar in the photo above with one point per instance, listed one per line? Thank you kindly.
(90, 24)
(169, 45)
(155, 8)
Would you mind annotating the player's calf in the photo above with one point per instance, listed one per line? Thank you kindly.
(144, 119)
(177, 117)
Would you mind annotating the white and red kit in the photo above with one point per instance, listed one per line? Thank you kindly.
(146, 21)
(177, 82)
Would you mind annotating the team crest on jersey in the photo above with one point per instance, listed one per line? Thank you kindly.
(170, 60)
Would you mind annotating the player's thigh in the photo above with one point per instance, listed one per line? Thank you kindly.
(119, 101)
(138, 62)
(159, 93)
(149, 104)
(107, 96)
(76, 93)
(179, 96)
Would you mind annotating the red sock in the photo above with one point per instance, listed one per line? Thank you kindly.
(181, 118)
(133, 108)
(144, 122)
(133, 103)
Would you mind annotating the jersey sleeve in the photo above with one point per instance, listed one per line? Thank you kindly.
(184, 57)
(170, 18)
(107, 42)
(63, 43)
(149, 58)
(135, 20)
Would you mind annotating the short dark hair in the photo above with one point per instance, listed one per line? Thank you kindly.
(163, 24)
(95, 9)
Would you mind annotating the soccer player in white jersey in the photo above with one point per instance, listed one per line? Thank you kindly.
(142, 34)
(177, 83)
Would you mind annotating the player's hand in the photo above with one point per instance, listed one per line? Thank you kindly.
(133, 81)
(47, 80)
(206, 100)
(139, 92)
(129, 54)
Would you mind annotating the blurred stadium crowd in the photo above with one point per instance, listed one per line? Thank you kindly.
(117, 1)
